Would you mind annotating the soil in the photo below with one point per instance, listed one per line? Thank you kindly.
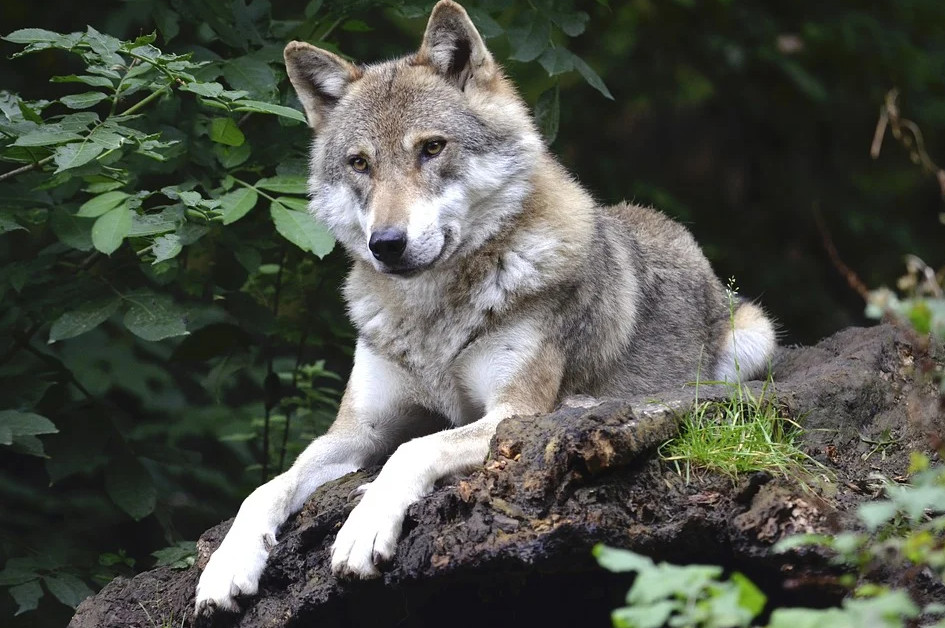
(511, 542)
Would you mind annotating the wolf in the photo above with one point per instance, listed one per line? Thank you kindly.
(485, 282)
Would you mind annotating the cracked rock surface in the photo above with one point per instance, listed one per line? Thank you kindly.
(511, 541)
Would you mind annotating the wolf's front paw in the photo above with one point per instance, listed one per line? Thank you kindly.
(368, 538)
(233, 570)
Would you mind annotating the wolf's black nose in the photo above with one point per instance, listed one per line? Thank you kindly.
(388, 244)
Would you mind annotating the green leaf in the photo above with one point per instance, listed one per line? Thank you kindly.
(651, 616)
(180, 556)
(19, 570)
(154, 316)
(237, 204)
(29, 445)
(265, 107)
(557, 60)
(801, 540)
(294, 202)
(750, 596)
(67, 588)
(98, 205)
(573, 24)
(154, 224)
(207, 90)
(26, 595)
(166, 247)
(251, 75)
(108, 139)
(47, 136)
(530, 40)
(302, 230)
(591, 76)
(548, 113)
(87, 79)
(225, 131)
(620, 560)
(25, 423)
(284, 184)
(131, 487)
(31, 36)
(8, 224)
(84, 318)
(486, 26)
(875, 514)
(83, 101)
(76, 154)
(666, 580)
(232, 156)
(110, 229)
(72, 230)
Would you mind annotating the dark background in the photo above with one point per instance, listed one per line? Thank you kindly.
(746, 120)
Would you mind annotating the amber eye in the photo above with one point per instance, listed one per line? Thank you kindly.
(359, 164)
(433, 148)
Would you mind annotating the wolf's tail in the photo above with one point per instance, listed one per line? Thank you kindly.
(748, 343)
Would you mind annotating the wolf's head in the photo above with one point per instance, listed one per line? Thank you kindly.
(418, 160)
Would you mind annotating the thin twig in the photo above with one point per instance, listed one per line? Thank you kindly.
(289, 411)
(908, 134)
(853, 280)
(26, 168)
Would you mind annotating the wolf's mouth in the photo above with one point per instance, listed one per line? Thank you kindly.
(411, 271)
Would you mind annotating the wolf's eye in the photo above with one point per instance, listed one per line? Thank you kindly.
(359, 164)
(433, 148)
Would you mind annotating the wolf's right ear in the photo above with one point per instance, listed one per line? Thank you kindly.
(319, 77)
(453, 46)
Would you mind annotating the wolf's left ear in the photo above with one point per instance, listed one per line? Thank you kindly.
(319, 77)
(453, 46)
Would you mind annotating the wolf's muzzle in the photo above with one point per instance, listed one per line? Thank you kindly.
(388, 245)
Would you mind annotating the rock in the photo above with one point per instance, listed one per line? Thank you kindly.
(510, 543)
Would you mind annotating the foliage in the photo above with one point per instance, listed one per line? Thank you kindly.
(908, 525)
(691, 595)
(172, 324)
(922, 304)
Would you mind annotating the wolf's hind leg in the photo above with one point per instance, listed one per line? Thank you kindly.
(748, 342)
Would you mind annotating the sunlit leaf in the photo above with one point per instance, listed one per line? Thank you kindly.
(110, 229)
(302, 230)
(225, 131)
(83, 318)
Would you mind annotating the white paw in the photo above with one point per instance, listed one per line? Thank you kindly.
(369, 537)
(234, 569)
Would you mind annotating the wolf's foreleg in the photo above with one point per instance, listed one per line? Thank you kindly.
(369, 536)
(374, 417)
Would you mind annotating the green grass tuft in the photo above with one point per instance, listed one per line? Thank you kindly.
(741, 434)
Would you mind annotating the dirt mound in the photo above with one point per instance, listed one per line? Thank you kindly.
(511, 542)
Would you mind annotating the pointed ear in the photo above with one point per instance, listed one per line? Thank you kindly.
(453, 46)
(319, 77)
